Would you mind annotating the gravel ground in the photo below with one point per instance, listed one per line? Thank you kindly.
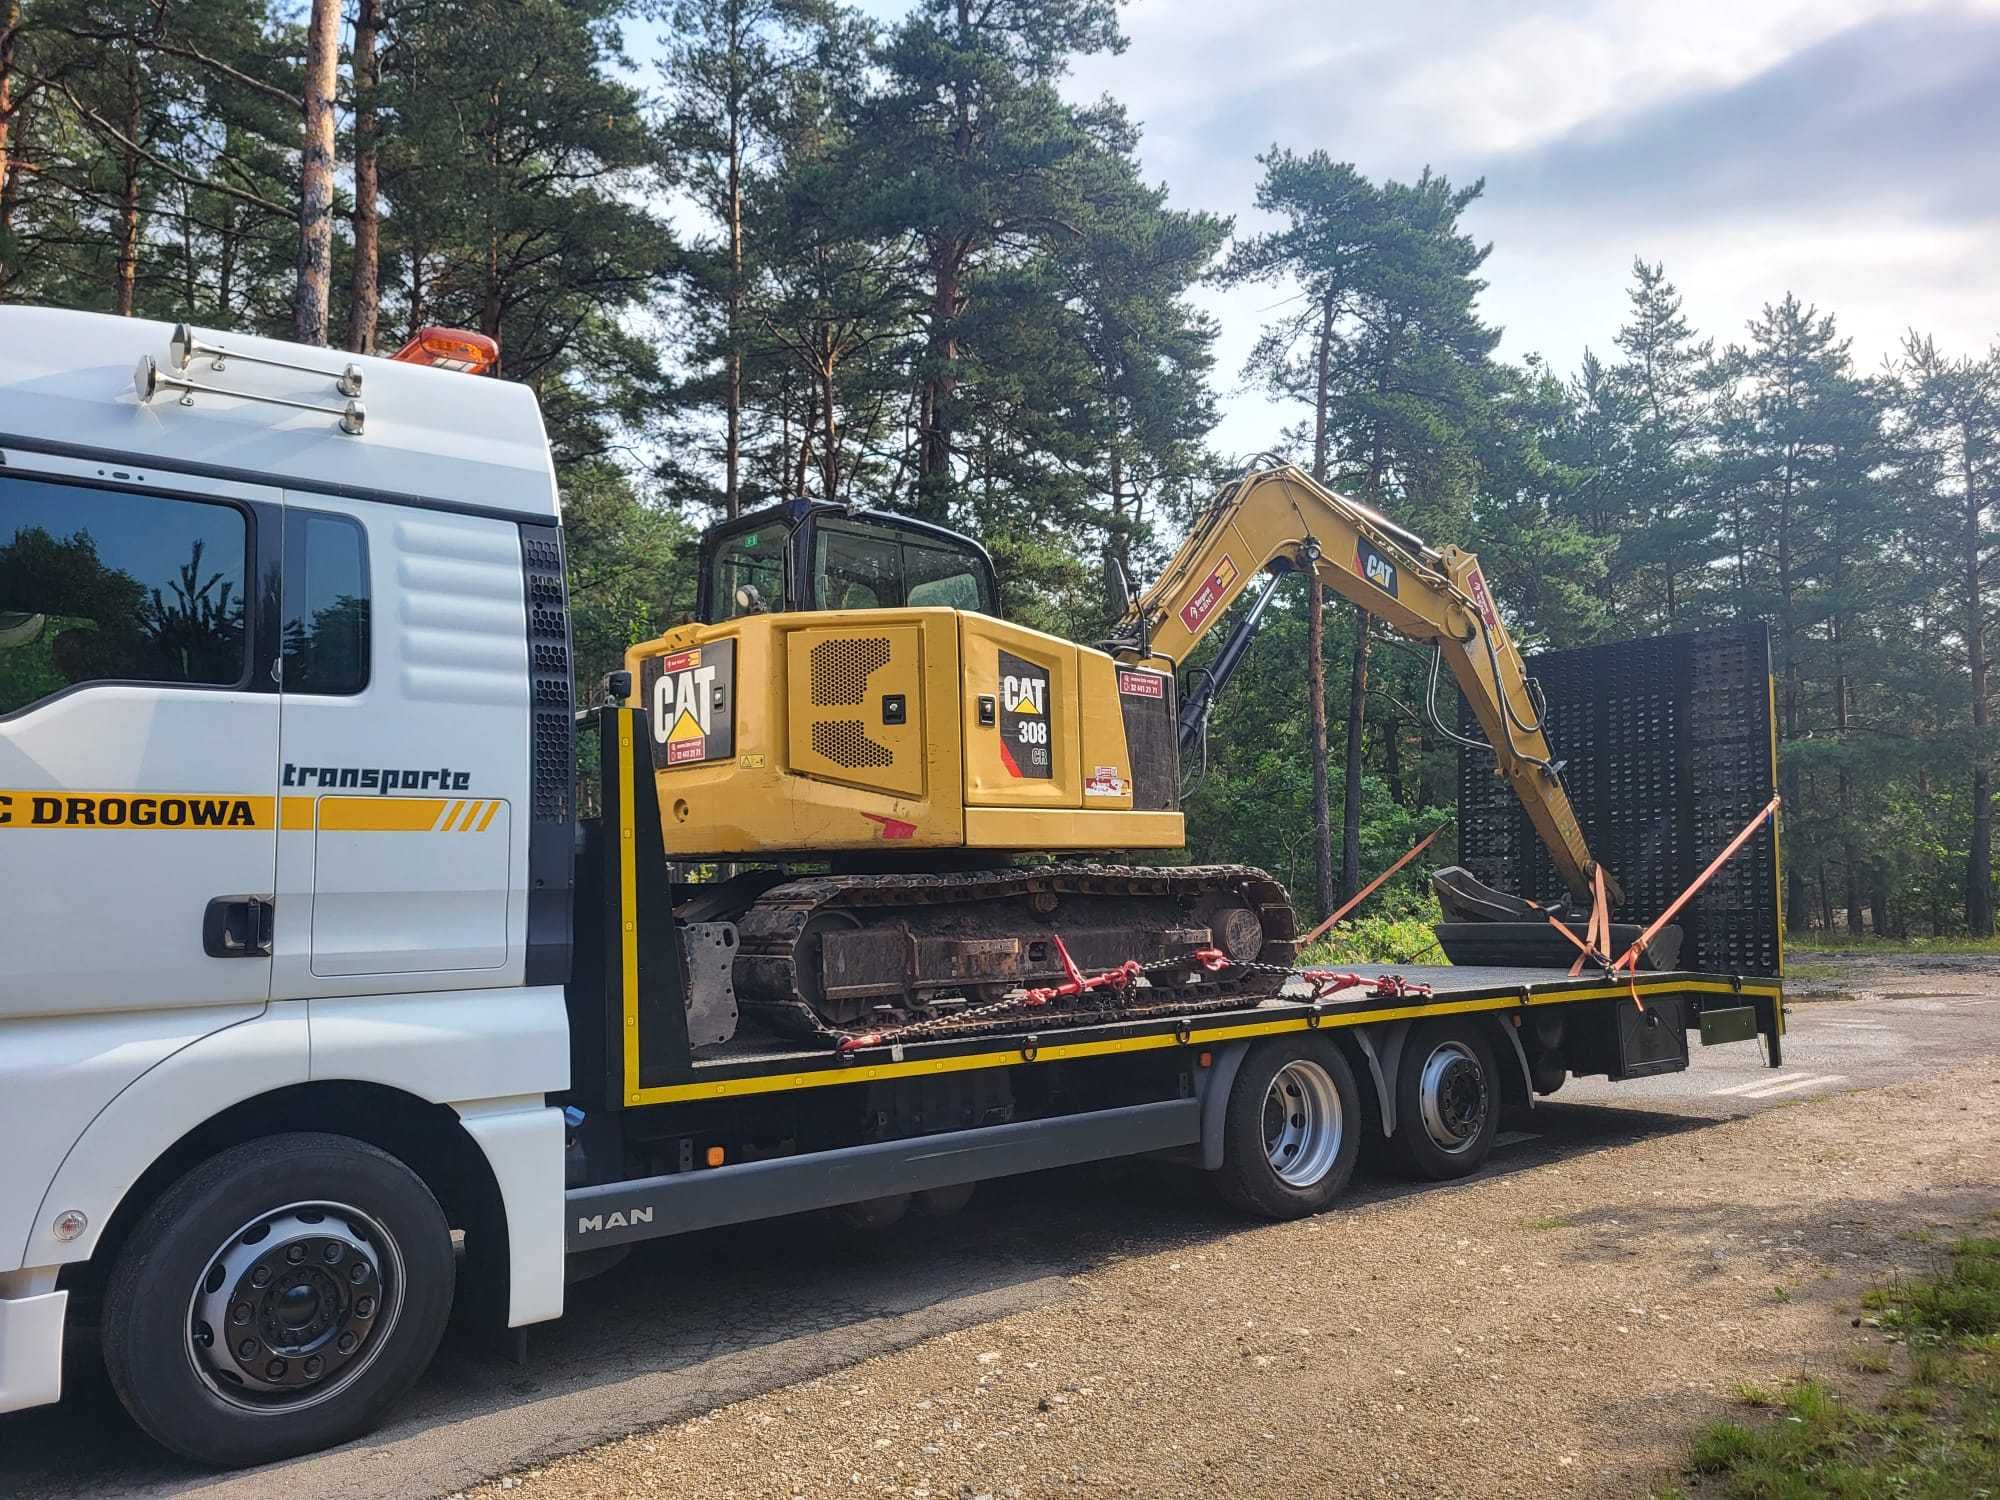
(1558, 1331)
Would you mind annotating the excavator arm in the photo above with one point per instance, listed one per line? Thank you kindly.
(1278, 518)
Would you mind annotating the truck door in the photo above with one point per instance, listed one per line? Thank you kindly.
(138, 738)
(404, 746)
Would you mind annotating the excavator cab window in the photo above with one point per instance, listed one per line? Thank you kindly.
(828, 557)
(746, 572)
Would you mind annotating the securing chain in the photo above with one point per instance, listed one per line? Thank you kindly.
(1325, 984)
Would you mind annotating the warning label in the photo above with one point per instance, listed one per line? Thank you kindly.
(1209, 595)
(1142, 684)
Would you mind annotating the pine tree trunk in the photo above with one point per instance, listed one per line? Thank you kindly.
(1357, 695)
(126, 284)
(732, 490)
(364, 291)
(829, 428)
(1981, 857)
(315, 264)
(1350, 819)
(1795, 914)
(1392, 764)
(10, 28)
(10, 184)
(934, 429)
(1316, 703)
(1316, 636)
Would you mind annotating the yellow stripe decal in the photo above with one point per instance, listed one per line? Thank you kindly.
(224, 812)
(628, 908)
(725, 1088)
(379, 814)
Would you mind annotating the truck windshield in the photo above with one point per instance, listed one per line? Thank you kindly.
(748, 574)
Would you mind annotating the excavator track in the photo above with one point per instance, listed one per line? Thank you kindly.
(826, 954)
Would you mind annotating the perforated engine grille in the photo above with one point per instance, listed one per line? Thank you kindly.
(840, 672)
(843, 742)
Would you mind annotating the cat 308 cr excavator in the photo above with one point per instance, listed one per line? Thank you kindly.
(851, 700)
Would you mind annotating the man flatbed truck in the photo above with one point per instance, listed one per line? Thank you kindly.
(309, 968)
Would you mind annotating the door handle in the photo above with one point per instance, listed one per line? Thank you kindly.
(237, 927)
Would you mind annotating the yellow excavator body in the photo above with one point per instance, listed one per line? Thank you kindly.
(846, 731)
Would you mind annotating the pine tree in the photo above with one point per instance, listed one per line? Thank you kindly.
(1799, 451)
(1951, 430)
(729, 70)
(979, 157)
(1332, 224)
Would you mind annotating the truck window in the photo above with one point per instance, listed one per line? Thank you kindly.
(326, 604)
(749, 572)
(111, 586)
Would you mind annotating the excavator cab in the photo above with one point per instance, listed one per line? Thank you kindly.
(811, 555)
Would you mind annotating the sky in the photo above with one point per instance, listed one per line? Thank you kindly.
(1844, 150)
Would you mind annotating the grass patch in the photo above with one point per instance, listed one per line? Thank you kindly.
(1936, 1437)
(1840, 942)
(1869, 1360)
(1552, 1221)
(1749, 1393)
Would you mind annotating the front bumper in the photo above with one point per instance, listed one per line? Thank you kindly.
(31, 1346)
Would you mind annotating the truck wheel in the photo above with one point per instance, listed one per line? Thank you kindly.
(1447, 1100)
(277, 1299)
(1291, 1128)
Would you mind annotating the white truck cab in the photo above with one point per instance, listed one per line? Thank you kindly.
(274, 884)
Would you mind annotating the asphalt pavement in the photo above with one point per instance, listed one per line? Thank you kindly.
(690, 1324)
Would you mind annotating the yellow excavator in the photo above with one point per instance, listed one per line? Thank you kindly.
(850, 718)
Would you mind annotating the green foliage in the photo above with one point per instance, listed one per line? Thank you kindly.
(904, 267)
(1935, 1436)
(1378, 940)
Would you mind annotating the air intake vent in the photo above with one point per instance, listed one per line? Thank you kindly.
(840, 672)
(842, 740)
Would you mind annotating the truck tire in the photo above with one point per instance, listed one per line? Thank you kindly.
(277, 1299)
(1447, 1100)
(1291, 1128)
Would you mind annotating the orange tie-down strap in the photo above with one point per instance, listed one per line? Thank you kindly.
(1599, 929)
(1369, 889)
(1629, 960)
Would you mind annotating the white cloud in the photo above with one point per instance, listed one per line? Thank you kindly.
(1847, 150)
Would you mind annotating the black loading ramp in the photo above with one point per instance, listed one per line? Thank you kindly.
(1667, 750)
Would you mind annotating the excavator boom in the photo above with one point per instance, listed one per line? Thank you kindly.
(1278, 518)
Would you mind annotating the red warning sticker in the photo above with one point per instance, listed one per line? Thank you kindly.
(1142, 684)
(1209, 595)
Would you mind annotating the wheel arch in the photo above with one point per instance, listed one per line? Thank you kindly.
(430, 1139)
(1373, 1078)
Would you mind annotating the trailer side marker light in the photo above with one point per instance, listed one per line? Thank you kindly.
(716, 1156)
(1205, 1060)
